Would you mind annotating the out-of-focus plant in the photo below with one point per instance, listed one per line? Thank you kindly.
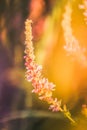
(72, 45)
(84, 7)
(84, 110)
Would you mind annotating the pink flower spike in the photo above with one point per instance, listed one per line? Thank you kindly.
(41, 85)
(56, 105)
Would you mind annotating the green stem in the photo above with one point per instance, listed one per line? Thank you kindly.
(66, 113)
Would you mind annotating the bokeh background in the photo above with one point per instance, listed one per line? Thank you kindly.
(19, 108)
